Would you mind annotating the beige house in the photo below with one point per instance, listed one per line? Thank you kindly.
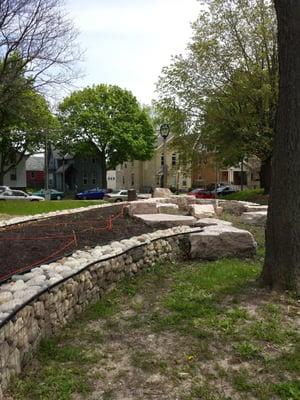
(208, 172)
(143, 175)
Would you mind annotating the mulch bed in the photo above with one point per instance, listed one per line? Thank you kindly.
(30, 244)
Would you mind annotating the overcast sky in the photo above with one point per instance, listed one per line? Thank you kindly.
(127, 42)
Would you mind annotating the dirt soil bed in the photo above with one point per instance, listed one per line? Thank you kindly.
(31, 244)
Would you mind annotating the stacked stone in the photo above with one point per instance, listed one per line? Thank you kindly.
(49, 311)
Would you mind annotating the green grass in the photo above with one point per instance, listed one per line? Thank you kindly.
(61, 374)
(199, 315)
(254, 195)
(37, 207)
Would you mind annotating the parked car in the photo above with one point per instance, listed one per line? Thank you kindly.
(19, 195)
(116, 196)
(55, 194)
(91, 194)
(225, 190)
(3, 188)
(202, 194)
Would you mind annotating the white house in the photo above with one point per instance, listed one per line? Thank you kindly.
(111, 179)
(16, 177)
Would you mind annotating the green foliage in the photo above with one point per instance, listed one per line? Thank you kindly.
(222, 95)
(24, 117)
(255, 195)
(109, 118)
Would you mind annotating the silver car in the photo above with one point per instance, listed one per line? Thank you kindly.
(3, 188)
(116, 196)
(19, 195)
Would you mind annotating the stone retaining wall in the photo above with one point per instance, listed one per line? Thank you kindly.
(49, 310)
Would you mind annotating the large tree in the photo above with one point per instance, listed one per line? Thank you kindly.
(43, 37)
(229, 36)
(24, 126)
(110, 119)
(282, 261)
(37, 52)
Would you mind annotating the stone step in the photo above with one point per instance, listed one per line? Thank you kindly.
(166, 220)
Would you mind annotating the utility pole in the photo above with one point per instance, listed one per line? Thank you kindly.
(47, 191)
(164, 132)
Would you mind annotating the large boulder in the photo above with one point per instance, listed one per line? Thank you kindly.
(258, 218)
(233, 207)
(166, 220)
(141, 207)
(218, 241)
(162, 192)
(202, 210)
(167, 208)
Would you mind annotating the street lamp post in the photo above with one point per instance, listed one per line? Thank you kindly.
(164, 131)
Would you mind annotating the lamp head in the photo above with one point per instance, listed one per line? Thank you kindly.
(164, 130)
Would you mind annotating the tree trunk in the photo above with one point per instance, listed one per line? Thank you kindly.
(265, 175)
(282, 262)
(103, 171)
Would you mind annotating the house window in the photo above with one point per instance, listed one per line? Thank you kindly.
(123, 180)
(94, 160)
(132, 163)
(85, 179)
(224, 176)
(13, 174)
(173, 159)
(32, 174)
(162, 159)
(132, 179)
(94, 178)
(125, 165)
(184, 183)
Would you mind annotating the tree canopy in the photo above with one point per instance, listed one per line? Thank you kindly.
(23, 128)
(109, 118)
(227, 81)
(37, 52)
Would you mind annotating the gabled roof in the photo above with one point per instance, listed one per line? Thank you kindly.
(35, 163)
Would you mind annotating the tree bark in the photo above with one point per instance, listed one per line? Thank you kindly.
(282, 261)
(265, 175)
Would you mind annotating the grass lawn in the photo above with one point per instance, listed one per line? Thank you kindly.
(184, 331)
(37, 207)
(255, 195)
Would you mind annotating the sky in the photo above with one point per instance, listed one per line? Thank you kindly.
(127, 42)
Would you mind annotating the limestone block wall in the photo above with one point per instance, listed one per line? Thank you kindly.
(48, 311)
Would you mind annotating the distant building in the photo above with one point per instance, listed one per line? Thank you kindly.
(16, 177)
(35, 172)
(74, 172)
(207, 171)
(111, 179)
(144, 175)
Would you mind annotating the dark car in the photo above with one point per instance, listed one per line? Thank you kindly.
(55, 194)
(202, 194)
(91, 194)
(225, 190)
